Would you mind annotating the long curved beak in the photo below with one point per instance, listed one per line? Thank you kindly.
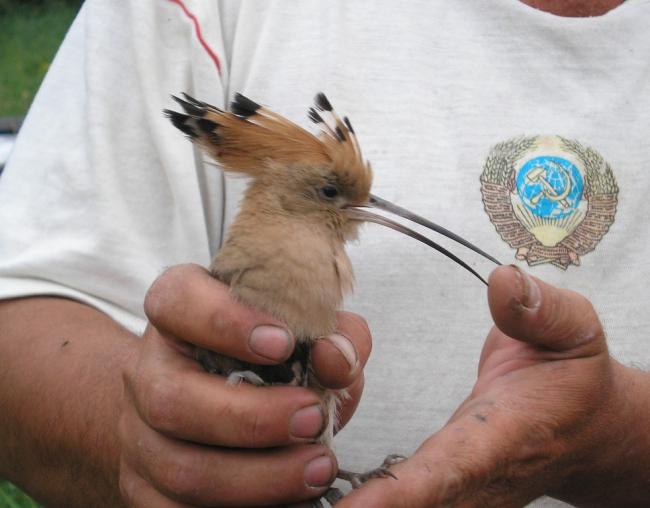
(361, 213)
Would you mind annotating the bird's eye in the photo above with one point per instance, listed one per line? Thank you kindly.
(329, 191)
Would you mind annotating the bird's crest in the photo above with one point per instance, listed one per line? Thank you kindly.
(250, 136)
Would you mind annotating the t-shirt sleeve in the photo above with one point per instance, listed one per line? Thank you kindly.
(101, 193)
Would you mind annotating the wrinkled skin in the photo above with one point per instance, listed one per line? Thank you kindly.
(551, 413)
(188, 438)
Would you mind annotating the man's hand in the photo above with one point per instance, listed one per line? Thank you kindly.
(189, 438)
(551, 413)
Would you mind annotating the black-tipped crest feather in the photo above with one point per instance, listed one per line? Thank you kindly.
(314, 116)
(180, 122)
(206, 125)
(202, 106)
(322, 102)
(194, 101)
(243, 106)
(190, 108)
(348, 124)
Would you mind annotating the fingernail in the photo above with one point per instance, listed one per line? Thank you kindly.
(271, 342)
(531, 295)
(319, 472)
(307, 422)
(345, 347)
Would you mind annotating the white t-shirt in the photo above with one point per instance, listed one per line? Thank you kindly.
(524, 132)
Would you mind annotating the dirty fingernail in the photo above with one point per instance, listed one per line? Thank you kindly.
(346, 349)
(307, 422)
(271, 342)
(319, 472)
(531, 295)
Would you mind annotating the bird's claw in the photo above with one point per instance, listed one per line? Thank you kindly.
(334, 495)
(383, 471)
(392, 459)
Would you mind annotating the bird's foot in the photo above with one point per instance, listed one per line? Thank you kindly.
(334, 495)
(383, 471)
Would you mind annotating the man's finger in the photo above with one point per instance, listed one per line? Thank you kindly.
(169, 388)
(339, 358)
(530, 310)
(454, 465)
(188, 303)
(206, 476)
(349, 404)
(138, 493)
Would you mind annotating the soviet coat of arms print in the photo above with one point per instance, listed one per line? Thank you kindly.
(550, 198)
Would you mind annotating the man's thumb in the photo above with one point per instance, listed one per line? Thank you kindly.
(527, 309)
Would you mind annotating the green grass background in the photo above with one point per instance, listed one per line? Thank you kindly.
(30, 33)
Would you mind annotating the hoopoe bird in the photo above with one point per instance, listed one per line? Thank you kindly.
(284, 253)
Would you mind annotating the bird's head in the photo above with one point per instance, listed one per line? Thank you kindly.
(313, 177)
(319, 177)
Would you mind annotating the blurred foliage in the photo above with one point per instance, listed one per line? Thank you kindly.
(30, 33)
(12, 497)
(8, 6)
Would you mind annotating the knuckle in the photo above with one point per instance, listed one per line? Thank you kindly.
(180, 476)
(584, 306)
(570, 315)
(224, 321)
(362, 335)
(157, 294)
(259, 430)
(363, 323)
(159, 403)
(359, 326)
(229, 317)
(127, 487)
(251, 428)
(168, 284)
(256, 430)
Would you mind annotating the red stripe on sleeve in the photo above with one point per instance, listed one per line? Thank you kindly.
(197, 28)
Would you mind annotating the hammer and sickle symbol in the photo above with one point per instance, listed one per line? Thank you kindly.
(538, 175)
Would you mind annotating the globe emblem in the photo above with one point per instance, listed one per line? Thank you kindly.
(550, 187)
(550, 198)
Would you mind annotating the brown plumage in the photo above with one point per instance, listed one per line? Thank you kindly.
(285, 252)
